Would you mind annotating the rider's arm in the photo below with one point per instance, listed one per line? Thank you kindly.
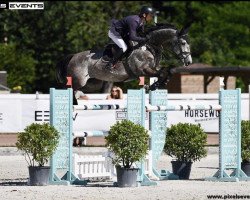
(133, 24)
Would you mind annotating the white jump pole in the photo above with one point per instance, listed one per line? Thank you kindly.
(222, 83)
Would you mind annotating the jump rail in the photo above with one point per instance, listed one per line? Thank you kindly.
(149, 108)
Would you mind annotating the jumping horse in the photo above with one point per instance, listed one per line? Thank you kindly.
(88, 72)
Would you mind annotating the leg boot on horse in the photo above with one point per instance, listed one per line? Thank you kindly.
(115, 58)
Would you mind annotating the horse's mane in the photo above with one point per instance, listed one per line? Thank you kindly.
(159, 26)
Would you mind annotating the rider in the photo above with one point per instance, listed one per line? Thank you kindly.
(128, 27)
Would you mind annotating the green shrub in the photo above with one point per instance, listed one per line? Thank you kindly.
(185, 142)
(245, 140)
(38, 141)
(128, 141)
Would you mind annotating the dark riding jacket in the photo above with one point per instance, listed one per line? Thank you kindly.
(128, 27)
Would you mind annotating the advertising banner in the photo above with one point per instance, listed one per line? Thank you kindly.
(22, 110)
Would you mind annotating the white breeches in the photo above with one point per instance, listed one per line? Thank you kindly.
(119, 41)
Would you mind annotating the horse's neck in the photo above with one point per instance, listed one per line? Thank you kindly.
(162, 36)
(159, 40)
(156, 51)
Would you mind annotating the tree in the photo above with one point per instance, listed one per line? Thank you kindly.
(219, 34)
(20, 67)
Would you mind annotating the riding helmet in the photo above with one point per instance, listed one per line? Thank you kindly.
(147, 10)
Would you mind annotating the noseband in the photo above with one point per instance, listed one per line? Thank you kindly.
(182, 55)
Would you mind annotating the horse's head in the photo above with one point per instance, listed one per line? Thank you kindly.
(181, 47)
(169, 38)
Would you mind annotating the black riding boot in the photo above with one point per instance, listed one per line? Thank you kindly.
(115, 59)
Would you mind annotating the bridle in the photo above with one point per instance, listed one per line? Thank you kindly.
(182, 55)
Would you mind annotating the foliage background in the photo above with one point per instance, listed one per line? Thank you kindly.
(37, 39)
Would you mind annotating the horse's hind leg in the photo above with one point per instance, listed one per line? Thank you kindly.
(106, 87)
(74, 99)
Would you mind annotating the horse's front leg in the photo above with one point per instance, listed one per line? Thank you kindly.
(154, 86)
(149, 72)
(164, 76)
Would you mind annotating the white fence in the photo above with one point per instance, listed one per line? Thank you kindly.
(100, 167)
(19, 110)
(95, 167)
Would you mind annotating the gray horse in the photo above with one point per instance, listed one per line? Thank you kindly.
(88, 72)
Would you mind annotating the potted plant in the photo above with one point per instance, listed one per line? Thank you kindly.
(38, 142)
(245, 146)
(129, 143)
(186, 144)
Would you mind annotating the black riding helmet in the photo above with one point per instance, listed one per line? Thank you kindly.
(146, 10)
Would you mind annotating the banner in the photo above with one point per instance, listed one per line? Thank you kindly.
(10, 116)
(19, 111)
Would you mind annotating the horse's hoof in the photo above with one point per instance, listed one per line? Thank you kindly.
(146, 87)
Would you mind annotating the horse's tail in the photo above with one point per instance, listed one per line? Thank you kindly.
(61, 69)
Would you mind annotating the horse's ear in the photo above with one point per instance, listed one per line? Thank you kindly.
(185, 29)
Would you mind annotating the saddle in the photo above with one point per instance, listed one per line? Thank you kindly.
(110, 50)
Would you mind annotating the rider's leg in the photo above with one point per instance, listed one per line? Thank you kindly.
(117, 55)
(120, 43)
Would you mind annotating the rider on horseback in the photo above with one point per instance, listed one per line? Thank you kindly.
(128, 27)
